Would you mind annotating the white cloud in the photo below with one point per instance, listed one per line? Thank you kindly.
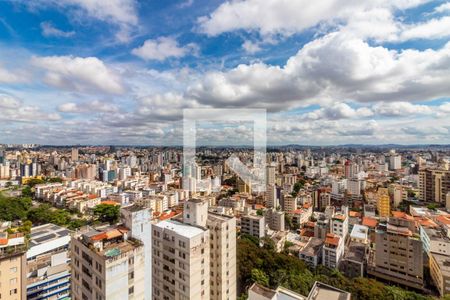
(445, 107)
(79, 74)
(431, 29)
(168, 106)
(14, 110)
(8, 76)
(185, 4)
(374, 20)
(337, 111)
(121, 13)
(337, 67)
(163, 48)
(49, 30)
(288, 16)
(93, 107)
(405, 109)
(445, 7)
(8, 102)
(251, 47)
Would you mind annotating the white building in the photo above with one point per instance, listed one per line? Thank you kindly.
(181, 261)
(332, 251)
(395, 162)
(339, 225)
(48, 269)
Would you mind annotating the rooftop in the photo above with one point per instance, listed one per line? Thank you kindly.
(402, 215)
(444, 263)
(312, 247)
(355, 251)
(332, 239)
(182, 229)
(359, 232)
(46, 233)
(370, 222)
(321, 291)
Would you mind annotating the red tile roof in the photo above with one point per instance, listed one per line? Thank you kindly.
(370, 222)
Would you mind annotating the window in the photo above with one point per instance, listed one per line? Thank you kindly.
(13, 270)
(131, 290)
(131, 275)
(13, 281)
(13, 292)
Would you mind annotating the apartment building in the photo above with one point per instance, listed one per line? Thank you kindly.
(440, 272)
(436, 243)
(354, 262)
(181, 261)
(275, 219)
(48, 267)
(222, 247)
(311, 252)
(289, 204)
(272, 197)
(12, 266)
(383, 202)
(222, 229)
(253, 225)
(398, 254)
(434, 184)
(107, 263)
(332, 251)
(339, 225)
(137, 219)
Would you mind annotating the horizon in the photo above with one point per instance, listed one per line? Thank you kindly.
(122, 72)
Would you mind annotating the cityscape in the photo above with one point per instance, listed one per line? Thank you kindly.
(224, 150)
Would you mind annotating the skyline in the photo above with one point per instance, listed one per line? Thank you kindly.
(121, 72)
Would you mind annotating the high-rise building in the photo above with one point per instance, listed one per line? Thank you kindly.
(2, 156)
(137, 220)
(398, 255)
(270, 175)
(447, 201)
(107, 264)
(434, 184)
(222, 246)
(74, 154)
(222, 230)
(289, 203)
(383, 202)
(395, 162)
(12, 266)
(271, 197)
(275, 219)
(181, 261)
(243, 186)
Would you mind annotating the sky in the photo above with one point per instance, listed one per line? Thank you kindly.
(122, 71)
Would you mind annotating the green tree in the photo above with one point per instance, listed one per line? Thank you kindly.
(12, 209)
(26, 191)
(54, 180)
(34, 181)
(260, 277)
(26, 227)
(44, 213)
(107, 213)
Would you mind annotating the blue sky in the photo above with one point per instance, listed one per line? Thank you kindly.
(122, 71)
